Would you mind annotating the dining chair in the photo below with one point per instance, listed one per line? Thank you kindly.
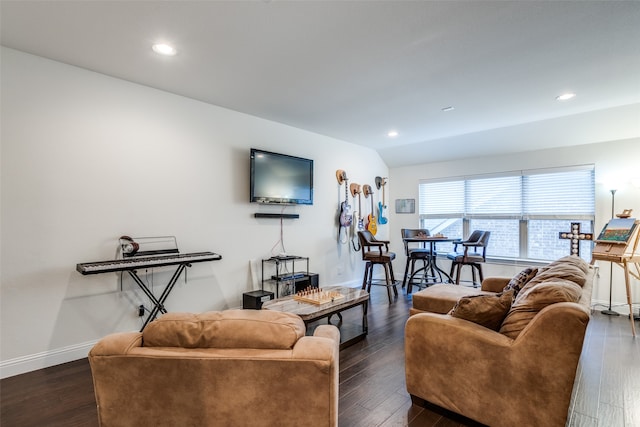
(474, 255)
(376, 252)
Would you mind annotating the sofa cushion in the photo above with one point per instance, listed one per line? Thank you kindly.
(520, 280)
(486, 310)
(259, 329)
(533, 299)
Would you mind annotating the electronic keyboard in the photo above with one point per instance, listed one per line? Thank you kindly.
(135, 263)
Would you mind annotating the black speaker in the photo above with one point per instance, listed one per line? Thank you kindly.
(253, 300)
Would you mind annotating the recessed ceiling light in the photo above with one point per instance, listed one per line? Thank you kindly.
(392, 133)
(450, 108)
(164, 49)
(565, 96)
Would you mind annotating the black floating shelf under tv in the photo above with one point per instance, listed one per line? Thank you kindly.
(276, 215)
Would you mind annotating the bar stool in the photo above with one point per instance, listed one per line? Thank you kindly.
(414, 254)
(477, 239)
(374, 252)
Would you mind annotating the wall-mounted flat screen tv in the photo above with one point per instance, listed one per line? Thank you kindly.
(280, 178)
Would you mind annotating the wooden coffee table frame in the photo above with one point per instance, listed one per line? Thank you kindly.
(310, 313)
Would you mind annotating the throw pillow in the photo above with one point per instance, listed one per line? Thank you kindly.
(534, 299)
(486, 310)
(519, 280)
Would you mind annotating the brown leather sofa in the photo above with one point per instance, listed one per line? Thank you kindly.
(518, 371)
(228, 368)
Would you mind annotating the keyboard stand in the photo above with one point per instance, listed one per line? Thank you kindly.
(158, 303)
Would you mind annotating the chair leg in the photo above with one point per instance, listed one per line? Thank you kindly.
(364, 279)
(473, 275)
(410, 282)
(386, 278)
(388, 273)
(458, 272)
(393, 279)
(406, 272)
(479, 268)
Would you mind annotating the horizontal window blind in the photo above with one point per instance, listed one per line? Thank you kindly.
(442, 198)
(523, 195)
(501, 196)
(566, 193)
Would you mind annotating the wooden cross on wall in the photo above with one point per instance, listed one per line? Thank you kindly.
(575, 236)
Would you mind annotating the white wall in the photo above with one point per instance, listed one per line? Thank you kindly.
(616, 160)
(87, 158)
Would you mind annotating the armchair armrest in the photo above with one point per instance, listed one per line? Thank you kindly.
(118, 343)
(379, 244)
(327, 331)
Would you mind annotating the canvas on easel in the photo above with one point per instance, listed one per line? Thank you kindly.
(618, 239)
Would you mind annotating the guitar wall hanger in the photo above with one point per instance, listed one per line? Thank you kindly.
(354, 188)
(380, 181)
(341, 176)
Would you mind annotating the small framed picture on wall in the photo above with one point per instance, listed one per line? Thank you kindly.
(405, 206)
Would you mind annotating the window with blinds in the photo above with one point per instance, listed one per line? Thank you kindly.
(524, 210)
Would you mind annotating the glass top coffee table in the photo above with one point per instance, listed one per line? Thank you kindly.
(310, 312)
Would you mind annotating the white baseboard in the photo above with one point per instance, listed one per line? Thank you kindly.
(45, 359)
(618, 307)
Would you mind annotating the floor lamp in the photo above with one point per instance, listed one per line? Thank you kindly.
(609, 311)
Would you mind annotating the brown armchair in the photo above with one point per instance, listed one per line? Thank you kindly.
(374, 252)
(228, 368)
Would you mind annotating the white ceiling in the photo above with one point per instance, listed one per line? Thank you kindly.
(354, 70)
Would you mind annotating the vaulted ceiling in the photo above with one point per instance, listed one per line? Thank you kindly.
(355, 70)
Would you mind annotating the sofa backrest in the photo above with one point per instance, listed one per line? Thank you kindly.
(560, 281)
(257, 329)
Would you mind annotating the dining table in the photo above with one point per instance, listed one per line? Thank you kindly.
(431, 264)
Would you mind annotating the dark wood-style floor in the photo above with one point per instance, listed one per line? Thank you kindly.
(372, 387)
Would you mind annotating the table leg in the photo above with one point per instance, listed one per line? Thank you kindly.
(365, 321)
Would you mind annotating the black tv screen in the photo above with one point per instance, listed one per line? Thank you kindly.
(280, 179)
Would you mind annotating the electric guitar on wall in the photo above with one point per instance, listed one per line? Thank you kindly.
(372, 226)
(345, 217)
(381, 182)
(357, 215)
(358, 221)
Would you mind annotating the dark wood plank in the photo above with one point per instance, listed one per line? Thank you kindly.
(372, 382)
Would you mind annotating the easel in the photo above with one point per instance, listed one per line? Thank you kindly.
(622, 254)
